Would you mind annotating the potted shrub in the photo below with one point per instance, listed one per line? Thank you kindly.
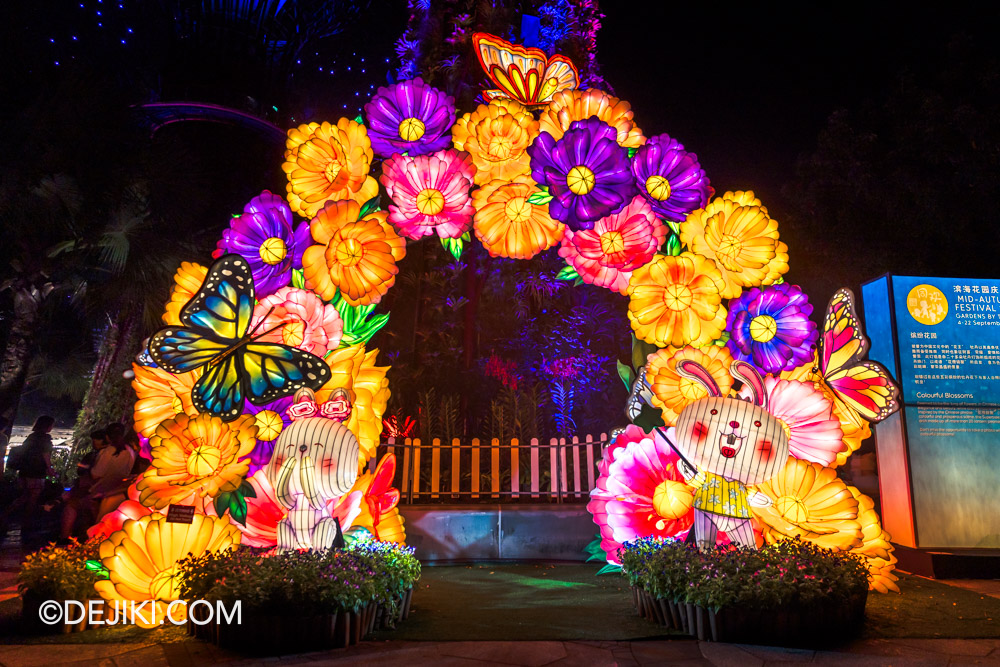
(297, 601)
(789, 592)
(58, 573)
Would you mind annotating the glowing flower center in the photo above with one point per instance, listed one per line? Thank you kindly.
(730, 247)
(273, 250)
(791, 509)
(349, 252)
(763, 328)
(203, 461)
(293, 332)
(612, 242)
(332, 169)
(580, 180)
(430, 201)
(269, 425)
(691, 390)
(164, 585)
(176, 404)
(517, 210)
(411, 129)
(500, 147)
(658, 187)
(678, 297)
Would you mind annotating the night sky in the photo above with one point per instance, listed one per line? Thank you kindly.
(749, 89)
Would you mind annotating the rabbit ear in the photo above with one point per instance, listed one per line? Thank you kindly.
(695, 371)
(303, 394)
(749, 376)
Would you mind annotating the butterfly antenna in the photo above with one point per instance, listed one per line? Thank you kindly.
(260, 322)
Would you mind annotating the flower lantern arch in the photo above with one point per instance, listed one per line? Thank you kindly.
(538, 165)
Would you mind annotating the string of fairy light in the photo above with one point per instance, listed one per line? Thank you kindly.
(119, 27)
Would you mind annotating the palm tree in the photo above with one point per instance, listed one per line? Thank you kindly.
(37, 215)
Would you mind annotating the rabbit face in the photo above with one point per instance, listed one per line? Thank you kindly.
(316, 457)
(733, 438)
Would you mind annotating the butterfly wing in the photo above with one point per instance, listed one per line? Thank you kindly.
(865, 387)
(842, 343)
(523, 74)
(214, 320)
(180, 350)
(223, 307)
(272, 371)
(219, 391)
(560, 74)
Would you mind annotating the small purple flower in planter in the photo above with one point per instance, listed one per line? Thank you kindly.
(410, 117)
(770, 328)
(586, 171)
(670, 178)
(263, 235)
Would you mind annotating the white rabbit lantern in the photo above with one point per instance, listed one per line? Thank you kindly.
(315, 460)
(732, 443)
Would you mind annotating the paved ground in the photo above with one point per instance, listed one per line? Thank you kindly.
(929, 652)
(175, 651)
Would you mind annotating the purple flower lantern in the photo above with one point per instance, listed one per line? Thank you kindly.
(770, 328)
(670, 178)
(264, 237)
(410, 117)
(586, 171)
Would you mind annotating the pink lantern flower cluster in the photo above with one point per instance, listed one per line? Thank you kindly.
(640, 492)
(430, 193)
(299, 318)
(618, 244)
(814, 432)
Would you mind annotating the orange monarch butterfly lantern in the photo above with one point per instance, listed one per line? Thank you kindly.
(525, 75)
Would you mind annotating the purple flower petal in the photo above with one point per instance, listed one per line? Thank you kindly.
(689, 186)
(410, 99)
(265, 217)
(795, 334)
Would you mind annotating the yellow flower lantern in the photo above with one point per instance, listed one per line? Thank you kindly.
(187, 280)
(875, 547)
(811, 502)
(677, 301)
(497, 136)
(736, 232)
(358, 257)
(569, 106)
(141, 560)
(326, 162)
(508, 225)
(161, 395)
(196, 458)
(354, 369)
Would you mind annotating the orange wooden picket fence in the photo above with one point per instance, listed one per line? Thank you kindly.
(560, 471)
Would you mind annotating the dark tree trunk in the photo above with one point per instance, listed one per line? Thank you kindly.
(28, 299)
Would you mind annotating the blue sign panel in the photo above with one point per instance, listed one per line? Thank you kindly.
(956, 484)
(948, 333)
(876, 300)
